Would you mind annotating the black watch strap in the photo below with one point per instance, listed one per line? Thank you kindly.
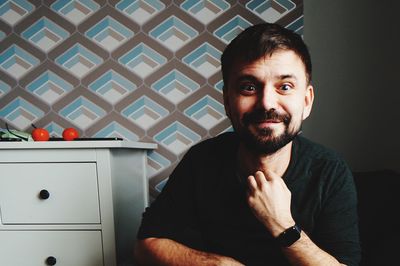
(289, 236)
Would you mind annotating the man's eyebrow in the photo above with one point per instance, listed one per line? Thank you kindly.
(247, 78)
(287, 76)
(251, 78)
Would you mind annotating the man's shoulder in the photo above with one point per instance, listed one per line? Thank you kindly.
(223, 143)
(314, 150)
(215, 152)
(320, 160)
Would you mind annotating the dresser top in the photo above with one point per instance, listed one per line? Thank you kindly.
(97, 144)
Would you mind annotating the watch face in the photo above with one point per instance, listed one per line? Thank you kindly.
(289, 236)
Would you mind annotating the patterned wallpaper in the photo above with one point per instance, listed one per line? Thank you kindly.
(143, 70)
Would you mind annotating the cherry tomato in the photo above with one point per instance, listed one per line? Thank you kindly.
(70, 133)
(40, 134)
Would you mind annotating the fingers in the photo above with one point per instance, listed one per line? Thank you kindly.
(256, 181)
(252, 183)
(267, 175)
(260, 178)
(270, 175)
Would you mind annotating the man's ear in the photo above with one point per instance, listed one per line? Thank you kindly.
(308, 101)
(226, 101)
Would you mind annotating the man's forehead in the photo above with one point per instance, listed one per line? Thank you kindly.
(285, 63)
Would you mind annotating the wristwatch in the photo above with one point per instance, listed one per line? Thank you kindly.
(289, 236)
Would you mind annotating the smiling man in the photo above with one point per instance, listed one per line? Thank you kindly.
(263, 194)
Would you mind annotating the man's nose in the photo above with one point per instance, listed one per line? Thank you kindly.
(268, 98)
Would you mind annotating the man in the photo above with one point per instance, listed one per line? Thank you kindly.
(262, 195)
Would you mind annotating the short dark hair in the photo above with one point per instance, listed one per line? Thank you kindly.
(260, 40)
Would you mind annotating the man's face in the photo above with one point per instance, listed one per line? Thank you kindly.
(267, 100)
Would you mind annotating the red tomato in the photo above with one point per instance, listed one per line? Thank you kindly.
(40, 134)
(70, 133)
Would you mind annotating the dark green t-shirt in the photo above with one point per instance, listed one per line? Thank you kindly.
(204, 197)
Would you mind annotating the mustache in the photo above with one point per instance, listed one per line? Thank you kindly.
(260, 115)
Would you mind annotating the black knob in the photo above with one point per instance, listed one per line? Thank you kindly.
(44, 194)
(51, 261)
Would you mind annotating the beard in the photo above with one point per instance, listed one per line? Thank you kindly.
(263, 141)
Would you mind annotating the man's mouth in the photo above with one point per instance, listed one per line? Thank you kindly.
(268, 122)
(262, 117)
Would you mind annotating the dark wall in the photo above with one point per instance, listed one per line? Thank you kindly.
(356, 54)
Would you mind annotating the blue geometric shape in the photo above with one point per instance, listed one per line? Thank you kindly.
(116, 130)
(76, 10)
(142, 60)
(159, 187)
(140, 11)
(12, 11)
(54, 129)
(205, 10)
(78, 60)
(145, 112)
(270, 10)
(297, 25)
(2, 35)
(112, 87)
(204, 59)
(156, 163)
(17, 62)
(45, 34)
(219, 86)
(173, 33)
(49, 87)
(82, 112)
(228, 31)
(109, 33)
(177, 138)
(4, 88)
(21, 113)
(175, 86)
(207, 112)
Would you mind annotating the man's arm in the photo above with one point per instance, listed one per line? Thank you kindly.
(305, 252)
(161, 251)
(169, 214)
(269, 198)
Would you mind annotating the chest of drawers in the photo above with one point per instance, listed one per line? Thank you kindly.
(71, 203)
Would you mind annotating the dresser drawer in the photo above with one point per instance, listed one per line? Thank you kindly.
(33, 248)
(49, 193)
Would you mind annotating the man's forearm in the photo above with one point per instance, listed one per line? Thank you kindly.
(305, 252)
(269, 198)
(157, 251)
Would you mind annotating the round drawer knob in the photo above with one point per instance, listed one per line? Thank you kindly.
(51, 261)
(44, 194)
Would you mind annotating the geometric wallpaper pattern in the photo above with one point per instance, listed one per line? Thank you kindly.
(143, 70)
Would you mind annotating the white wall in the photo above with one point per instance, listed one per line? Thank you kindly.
(356, 53)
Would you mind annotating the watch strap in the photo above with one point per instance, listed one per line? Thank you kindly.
(289, 236)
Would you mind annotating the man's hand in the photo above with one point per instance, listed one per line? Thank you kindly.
(269, 198)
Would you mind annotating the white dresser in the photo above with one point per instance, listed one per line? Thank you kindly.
(71, 203)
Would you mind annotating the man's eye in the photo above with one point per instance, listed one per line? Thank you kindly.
(248, 89)
(285, 87)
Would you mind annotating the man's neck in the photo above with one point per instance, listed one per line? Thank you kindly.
(277, 162)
